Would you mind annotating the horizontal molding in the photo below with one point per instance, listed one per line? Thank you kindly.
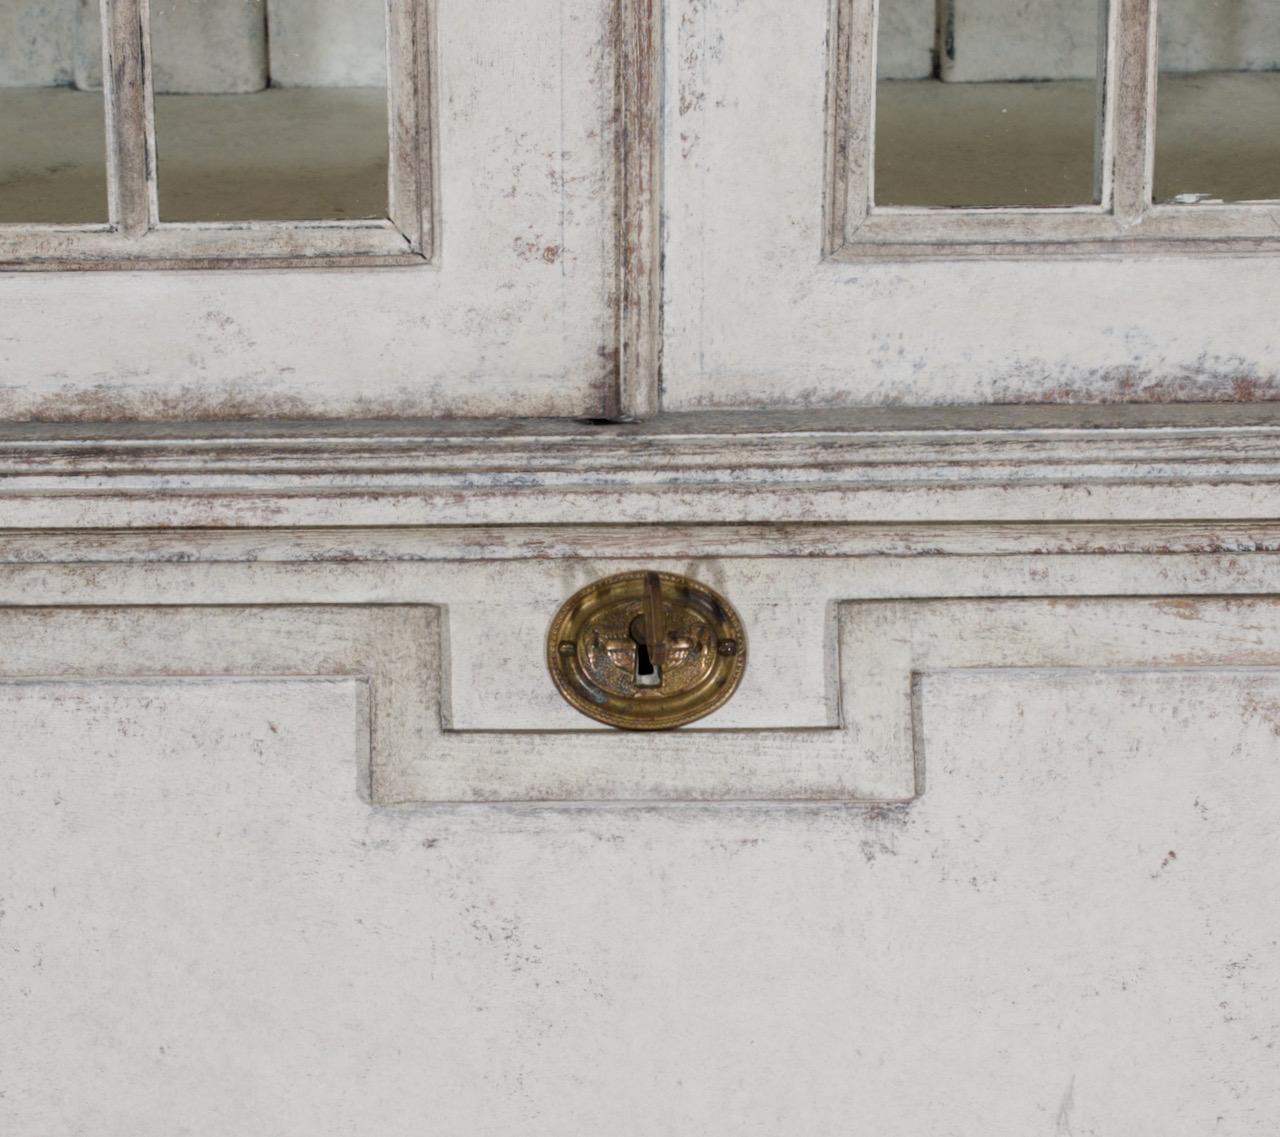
(408, 750)
(460, 543)
(945, 465)
(495, 611)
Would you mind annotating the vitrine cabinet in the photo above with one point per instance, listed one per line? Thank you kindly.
(342, 344)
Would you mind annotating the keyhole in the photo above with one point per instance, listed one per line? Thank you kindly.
(648, 673)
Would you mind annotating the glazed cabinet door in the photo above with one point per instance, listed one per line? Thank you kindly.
(864, 403)
(896, 202)
(294, 210)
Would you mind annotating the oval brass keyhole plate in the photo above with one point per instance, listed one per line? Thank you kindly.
(646, 650)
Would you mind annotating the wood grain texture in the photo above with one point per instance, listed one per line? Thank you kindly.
(641, 53)
(131, 143)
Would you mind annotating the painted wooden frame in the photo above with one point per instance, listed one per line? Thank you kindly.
(135, 237)
(1124, 220)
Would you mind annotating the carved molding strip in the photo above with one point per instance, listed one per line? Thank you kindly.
(945, 466)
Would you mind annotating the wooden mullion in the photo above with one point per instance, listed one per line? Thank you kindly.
(640, 75)
(130, 126)
(1104, 150)
(1133, 113)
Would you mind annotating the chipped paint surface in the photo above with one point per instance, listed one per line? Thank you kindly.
(561, 142)
(1071, 729)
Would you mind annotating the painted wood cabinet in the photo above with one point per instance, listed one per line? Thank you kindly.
(950, 367)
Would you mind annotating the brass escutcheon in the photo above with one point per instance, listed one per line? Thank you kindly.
(646, 650)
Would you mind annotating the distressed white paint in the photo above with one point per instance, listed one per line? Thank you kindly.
(941, 465)
(522, 315)
(1123, 802)
(458, 681)
(1105, 765)
(1041, 643)
(418, 747)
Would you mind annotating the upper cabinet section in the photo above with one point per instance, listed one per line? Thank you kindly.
(603, 208)
(426, 198)
(903, 202)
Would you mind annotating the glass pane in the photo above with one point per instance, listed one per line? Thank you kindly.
(270, 111)
(1218, 105)
(1003, 112)
(53, 153)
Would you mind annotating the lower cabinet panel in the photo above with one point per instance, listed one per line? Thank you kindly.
(207, 931)
(258, 879)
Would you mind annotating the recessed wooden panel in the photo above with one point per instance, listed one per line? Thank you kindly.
(195, 938)
(415, 748)
(1084, 874)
